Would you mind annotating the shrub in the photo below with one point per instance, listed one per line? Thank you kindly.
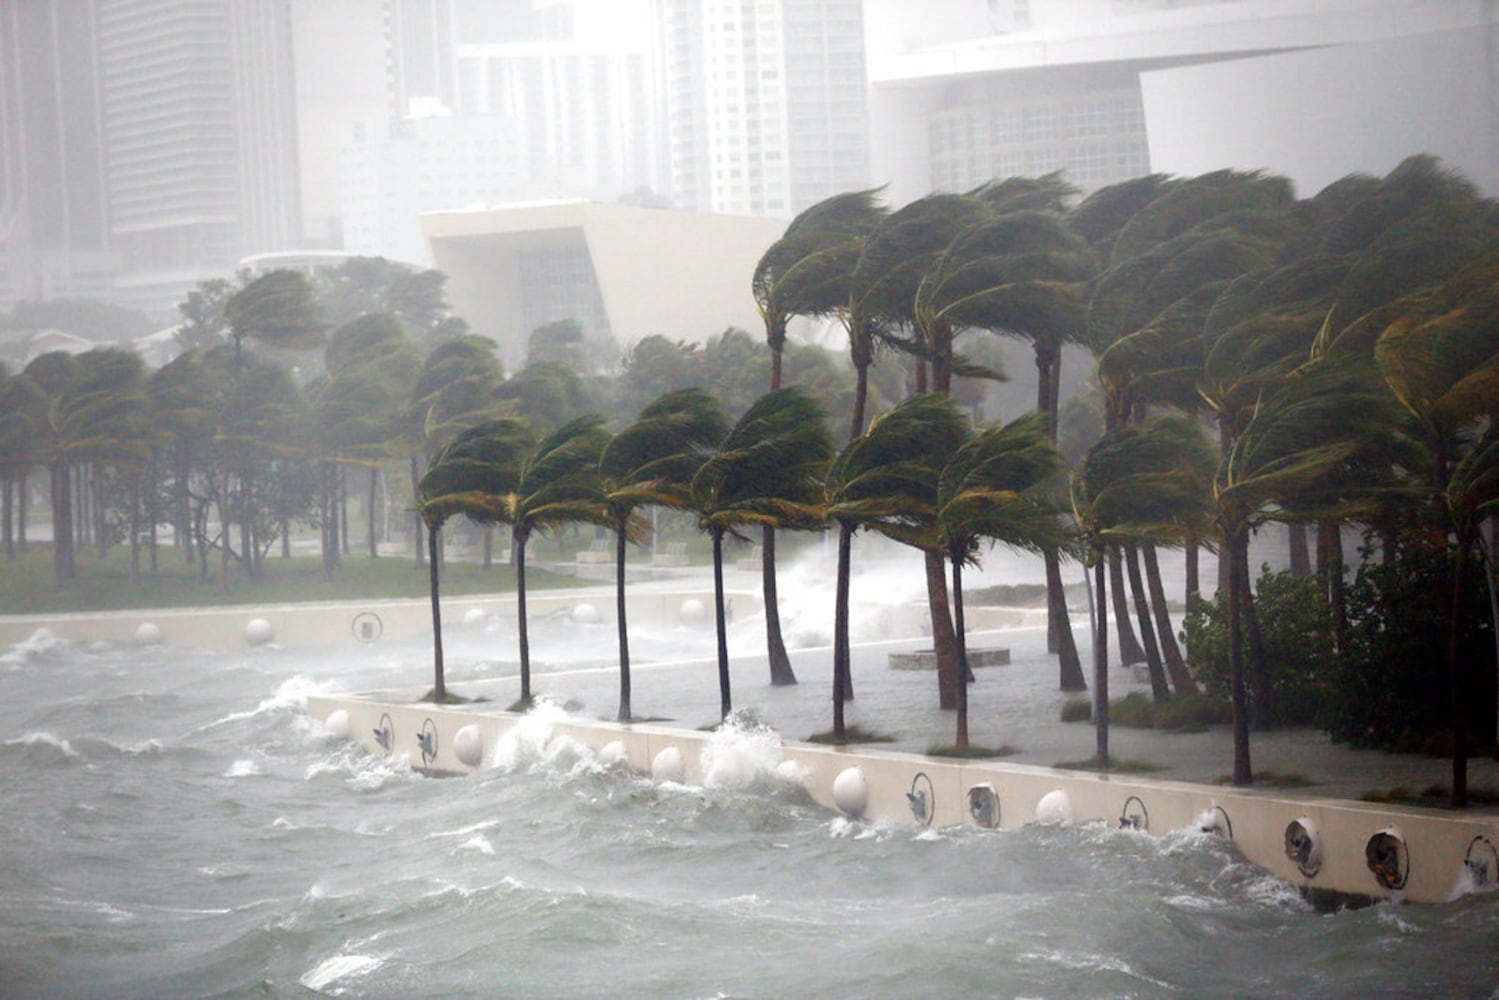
(1390, 682)
(1295, 630)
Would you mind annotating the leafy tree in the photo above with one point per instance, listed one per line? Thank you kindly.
(767, 471)
(652, 462)
(560, 342)
(23, 414)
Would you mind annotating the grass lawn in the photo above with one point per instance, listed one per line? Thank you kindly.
(27, 585)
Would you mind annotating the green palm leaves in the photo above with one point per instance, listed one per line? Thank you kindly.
(767, 472)
(652, 462)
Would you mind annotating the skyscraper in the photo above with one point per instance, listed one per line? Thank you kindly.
(54, 223)
(765, 102)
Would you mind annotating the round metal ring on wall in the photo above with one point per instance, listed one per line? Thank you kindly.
(1482, 861)
(367, 626)
(427, 740)
(385, 733)
(922, 798)
(1138, 819)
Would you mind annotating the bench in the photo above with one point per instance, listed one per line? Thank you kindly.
(670, 554)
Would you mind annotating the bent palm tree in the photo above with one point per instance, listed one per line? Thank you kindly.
(652, 462)
(886, 480)
(467, 476)
(766, 472)
(999, 487)
(1144, 482)
(558, 483)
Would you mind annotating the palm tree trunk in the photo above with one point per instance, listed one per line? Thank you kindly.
(417, 524)
(439, 686)
(1236, 546)
(62, 523)
(135, 527)
(522, 627)
(840, 628)
(1456, 689)
(1130, 650)
(1265, 713)
(7, 517)
(1176, 666)
(23, 503)
(370, 523)
(960, 740)
(1070, 664)
(1300, 554)
(620, 541)
(1158, 688)
(1101, 665)
(519, 544)
(725, 700)
(781, 673)
(1193, 578)
(861, 399)
(944, 640)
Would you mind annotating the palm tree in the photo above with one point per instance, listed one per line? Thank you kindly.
(652, 462)
(1311, 451)
(999, 487)
(557, 484)
(454, 390)
(768, 470)
(896, 258)
(467, 476)
(806, 273)
(23, 411)
(1440, 358)
(886, 479)
(1021, 273)
(1146, 481)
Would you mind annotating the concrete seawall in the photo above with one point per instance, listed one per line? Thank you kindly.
(1337, 851)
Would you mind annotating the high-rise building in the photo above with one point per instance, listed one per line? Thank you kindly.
(54, 220)
(764, 102)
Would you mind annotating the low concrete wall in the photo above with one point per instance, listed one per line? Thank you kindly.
(1434, 847)
(344, 624)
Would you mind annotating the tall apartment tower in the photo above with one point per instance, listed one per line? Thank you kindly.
(54, 220)
(199, 135)
(765, 102)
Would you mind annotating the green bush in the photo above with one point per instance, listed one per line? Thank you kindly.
(1295, 627)
(1390, 682)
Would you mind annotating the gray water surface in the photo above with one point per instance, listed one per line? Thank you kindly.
(172, 824)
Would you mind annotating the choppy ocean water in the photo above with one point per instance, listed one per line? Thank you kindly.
(172, 824)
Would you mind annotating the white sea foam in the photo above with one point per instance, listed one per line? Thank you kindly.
(243, 768)
(477, 843)
(339, 967)
(42, 738)
(738, 751)
(39, 643)
(289, 697)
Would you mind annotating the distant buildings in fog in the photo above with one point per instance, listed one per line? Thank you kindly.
(146, 145)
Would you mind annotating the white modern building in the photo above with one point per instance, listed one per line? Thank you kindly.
(1111, 89)
(621, 271)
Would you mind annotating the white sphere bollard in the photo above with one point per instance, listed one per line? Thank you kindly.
(149, 634)
(693, 613)
(337, 722)
(475, 616)
(258, 632)
(791, 772)
(468, 746)
(851, 792)
(669, 766)
(612, 753)
(585, 614)
(1054, 809)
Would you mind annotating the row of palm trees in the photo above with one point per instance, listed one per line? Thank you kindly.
(1344, 347)
(920, 475)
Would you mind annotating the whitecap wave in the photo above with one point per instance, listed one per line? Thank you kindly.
(339, 967)
(289, 697)
(40, 643)
(243, 768)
